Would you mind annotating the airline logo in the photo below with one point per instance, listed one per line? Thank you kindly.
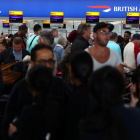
(107, 8)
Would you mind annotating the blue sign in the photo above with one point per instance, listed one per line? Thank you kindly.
(71, 8)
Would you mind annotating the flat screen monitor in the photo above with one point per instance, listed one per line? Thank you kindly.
(6, 25)
(132, 18)
(92, 19)
(56, 19)
(46, 25)
(64, 26)
(15, 18)
(125, 27)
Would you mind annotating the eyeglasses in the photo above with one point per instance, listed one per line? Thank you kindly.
(106, 32)
(43, 61)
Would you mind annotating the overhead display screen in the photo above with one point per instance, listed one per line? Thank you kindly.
(56, 17)
(24, 22)
(15, 16)
(71, 8)
(125, 27)
(46, 24)
(92, 17)
(132, 18)
(6, 24)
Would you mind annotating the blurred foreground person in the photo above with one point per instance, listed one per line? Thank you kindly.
(106, 118)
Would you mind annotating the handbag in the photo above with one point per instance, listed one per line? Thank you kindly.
(9, 76)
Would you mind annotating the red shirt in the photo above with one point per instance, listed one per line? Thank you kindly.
(23, 43)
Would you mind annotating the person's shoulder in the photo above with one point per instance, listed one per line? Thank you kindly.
(31, 110)
(22, 83)
(25, 51)
(132, 111)
(135, 45)
(7, 50)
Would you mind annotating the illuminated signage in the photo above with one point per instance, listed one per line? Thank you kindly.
(132, 18)
(5, 24)
(15, 16)
(125, 27)
(92, 17)
(56, 17)
(24, 22)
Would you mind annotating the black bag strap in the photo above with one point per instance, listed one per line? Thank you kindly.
(32, 41)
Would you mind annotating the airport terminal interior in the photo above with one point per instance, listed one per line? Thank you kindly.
(70, 70)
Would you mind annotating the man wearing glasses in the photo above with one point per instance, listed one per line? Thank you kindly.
(102, 55)
(20, 95)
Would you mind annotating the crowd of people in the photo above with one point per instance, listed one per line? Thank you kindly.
(72, 88)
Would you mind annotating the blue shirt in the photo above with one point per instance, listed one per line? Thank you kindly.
(18, 56)
(59, 52)
(28, 47)
(114, 46)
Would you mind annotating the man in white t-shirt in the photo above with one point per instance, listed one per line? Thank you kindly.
(103, 56)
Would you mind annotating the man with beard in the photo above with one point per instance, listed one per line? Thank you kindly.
(127, 36)
(101, 55)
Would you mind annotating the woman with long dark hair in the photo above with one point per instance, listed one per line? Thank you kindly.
(39, 119)
(106, 118)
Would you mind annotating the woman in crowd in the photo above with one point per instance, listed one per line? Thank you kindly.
(62, 65)
(106, 118)
(4, 44)
(135, 89)
(80, 69)
(39, 119)
(59, 50)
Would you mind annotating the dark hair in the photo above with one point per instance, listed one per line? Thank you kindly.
(128, 33)
(40, 80)
(113, 35)
(120, 39)
(10, 35)
(36, 27)
(17, 40)
(5, 43)
(39, 47)
(81, 28)
(82, 65)
(106, 87)
(23, 27)
(136, 80)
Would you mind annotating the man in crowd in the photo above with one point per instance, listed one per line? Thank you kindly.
(55, 35)
(113, 45)
(102, 55)
(20, 96)
(21, 33)
(32, 41)
(1, 83)
(131, 51)
(46, 37)
(15, 53)
(81, 42)
(127, 37)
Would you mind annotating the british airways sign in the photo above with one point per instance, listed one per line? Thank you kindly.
(71, 8)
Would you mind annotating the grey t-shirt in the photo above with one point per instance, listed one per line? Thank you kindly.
(114, 60)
